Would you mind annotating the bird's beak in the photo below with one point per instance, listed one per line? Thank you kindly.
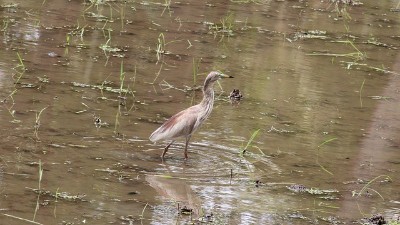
(225, 76)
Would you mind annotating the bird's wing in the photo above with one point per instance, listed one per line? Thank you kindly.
(181, 124)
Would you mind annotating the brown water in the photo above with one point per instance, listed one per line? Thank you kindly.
(328, 122)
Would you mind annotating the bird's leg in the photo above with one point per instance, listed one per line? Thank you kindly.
(166, 149)
(186, 146)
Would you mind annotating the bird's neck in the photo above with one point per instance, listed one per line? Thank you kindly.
(208, 95)
(207, 103)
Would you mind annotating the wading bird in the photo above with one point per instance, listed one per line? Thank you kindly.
(186, 122)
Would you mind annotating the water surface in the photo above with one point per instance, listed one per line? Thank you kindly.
(84, 84)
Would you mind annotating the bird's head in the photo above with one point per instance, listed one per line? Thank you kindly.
(216, 75)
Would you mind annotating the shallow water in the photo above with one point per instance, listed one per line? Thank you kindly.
(322, 88)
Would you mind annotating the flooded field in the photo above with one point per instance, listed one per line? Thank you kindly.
(314, 140)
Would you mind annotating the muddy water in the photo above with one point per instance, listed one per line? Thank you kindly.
(323, 89)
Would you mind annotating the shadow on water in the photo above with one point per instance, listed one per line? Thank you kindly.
(84, 83)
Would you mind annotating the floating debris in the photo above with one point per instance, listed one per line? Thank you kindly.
(347, 2)
(108, 48)
(27, 85)
(350, 65)
(378, 97)
(377, 219)
(77, 146)
(297, 188)
(57, 145)
(129, 218)
(98, 123)
(273, 129)
(97, 16)
(102, 87)
(331, 220)
(165, 86)
(44, 79)
(310, 34)
(81, 111)
(52, 54)
(327, 194)
(9, 5)
(59, 195)
(186, 211)
(107, 170)
(208, 218)
(374, 41)
(298, 215)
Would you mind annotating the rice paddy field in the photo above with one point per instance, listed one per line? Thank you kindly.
(314, 137)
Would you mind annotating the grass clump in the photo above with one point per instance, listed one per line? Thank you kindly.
(224, 28)
(8, 102)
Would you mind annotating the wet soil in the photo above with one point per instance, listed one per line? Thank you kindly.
(84, 83)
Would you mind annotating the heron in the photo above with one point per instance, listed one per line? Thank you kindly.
(186, 122)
